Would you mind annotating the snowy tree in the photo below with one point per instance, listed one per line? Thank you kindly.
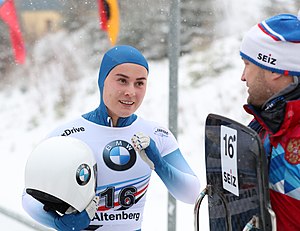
(6, 55)
(276, 7)
(77, 13)
(144, 25)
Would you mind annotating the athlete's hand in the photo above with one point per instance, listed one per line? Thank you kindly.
(140, 142)
(78, 221)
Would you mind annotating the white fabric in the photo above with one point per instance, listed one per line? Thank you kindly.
(103, 140)
(92, 207)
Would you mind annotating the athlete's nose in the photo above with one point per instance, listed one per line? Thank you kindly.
(130, 90)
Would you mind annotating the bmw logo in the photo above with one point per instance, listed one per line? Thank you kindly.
(119, 155)
(83, 174)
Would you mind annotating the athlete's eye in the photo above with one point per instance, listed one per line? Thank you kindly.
(122, 80)
(140, 83)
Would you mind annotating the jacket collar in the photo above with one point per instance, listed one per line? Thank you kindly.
(100, 116)
(280, 112)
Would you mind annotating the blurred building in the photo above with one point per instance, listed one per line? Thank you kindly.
(39, 17)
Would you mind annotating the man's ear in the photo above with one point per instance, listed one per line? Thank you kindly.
(270, 75)
(275, 75)
(280, 79)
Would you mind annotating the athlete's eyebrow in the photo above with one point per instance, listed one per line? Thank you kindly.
(127, 77)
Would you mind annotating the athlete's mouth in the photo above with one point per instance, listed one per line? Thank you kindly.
(126, 102)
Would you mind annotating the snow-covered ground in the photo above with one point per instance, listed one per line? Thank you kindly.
(29, 112)
(10, 224)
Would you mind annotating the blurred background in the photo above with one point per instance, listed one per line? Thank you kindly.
(144, 24)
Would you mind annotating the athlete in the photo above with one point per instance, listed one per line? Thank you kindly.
(270, 51)
(126, 147)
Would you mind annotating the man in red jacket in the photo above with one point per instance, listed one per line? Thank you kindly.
(271, 54)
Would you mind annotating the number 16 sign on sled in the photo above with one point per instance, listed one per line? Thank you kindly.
(229, 159)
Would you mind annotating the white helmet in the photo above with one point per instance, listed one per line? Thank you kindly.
(61, 173)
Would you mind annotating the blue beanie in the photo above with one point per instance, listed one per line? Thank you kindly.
(119, 55)
(274, 44)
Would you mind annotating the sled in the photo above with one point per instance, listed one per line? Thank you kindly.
(237, 179)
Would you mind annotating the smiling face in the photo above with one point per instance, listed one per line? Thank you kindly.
(124, 90)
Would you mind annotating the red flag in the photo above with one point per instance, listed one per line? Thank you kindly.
(109, 18)
(103, 14)
(9, 16)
